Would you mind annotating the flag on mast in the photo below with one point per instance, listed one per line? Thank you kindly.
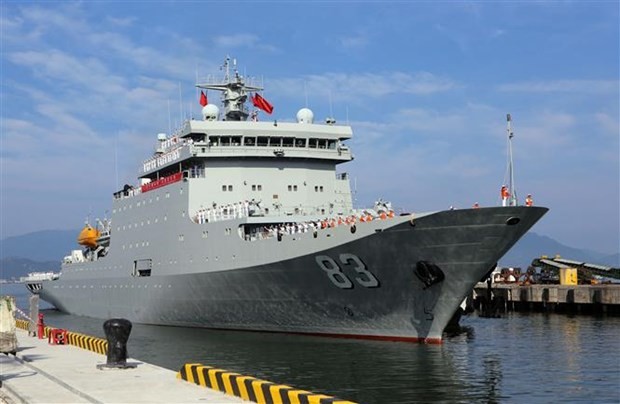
(203, 98)
(262, 103)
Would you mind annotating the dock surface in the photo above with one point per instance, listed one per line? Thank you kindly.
(44, 373)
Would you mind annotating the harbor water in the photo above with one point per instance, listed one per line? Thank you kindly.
(531, 358)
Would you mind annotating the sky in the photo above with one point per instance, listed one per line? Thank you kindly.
(425, 85)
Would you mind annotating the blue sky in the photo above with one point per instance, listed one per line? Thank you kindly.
(426, 86)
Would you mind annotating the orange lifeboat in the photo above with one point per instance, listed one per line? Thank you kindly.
(88, 236)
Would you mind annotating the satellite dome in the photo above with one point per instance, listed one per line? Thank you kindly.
(305, 115)
(210, 112)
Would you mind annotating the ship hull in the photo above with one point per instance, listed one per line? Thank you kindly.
(400, 282)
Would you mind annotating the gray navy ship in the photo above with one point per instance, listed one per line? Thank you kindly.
(242, 224)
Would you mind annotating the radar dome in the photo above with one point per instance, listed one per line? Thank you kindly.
(210, 112)
(161, 137)
(305, 115)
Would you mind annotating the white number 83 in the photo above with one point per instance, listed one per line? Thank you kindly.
(339, 279)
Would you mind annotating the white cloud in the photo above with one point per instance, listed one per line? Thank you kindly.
(76, 84)
(354, 41)
(55, 65)
(121, 22)
(610, 125)
(235, 41)
(425, 121)
(565, 86)
(362, 86)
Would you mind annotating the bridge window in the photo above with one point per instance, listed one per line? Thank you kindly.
(288, 142)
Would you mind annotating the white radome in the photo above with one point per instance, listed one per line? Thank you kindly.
(305, 115)
(210, 112)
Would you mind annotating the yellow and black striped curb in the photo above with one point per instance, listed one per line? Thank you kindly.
(250, 388)
(93, 344)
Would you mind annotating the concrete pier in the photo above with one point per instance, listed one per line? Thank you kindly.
(44, 373)
(603, 298)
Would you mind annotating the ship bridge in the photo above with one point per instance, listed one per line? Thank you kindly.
(222, 139)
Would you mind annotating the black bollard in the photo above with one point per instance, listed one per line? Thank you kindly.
(117, 332)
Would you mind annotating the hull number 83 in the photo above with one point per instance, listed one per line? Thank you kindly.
(334, 272)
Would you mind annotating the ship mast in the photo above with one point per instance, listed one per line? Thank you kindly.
(234, 91)
(512, 201)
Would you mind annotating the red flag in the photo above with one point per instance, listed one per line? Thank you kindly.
(203, 99)
(262, 103)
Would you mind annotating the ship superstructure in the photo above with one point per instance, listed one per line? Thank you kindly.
(249, 225)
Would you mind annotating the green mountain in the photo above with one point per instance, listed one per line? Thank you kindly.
(533, 245)
(45, 245)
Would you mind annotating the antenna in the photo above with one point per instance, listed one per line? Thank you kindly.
(331, 110)
(511, 180)
(226, 68)
(116, 162)
(192, 104)
(306, 92)
(180, 103)
(169, 119)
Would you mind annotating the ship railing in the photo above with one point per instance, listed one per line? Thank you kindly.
(224, 212)
(314, 226)
(164, 156)
(128, 193)
(195, 172)
(244, 209)
(238, 147)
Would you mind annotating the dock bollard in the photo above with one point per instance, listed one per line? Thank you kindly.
(117, 332)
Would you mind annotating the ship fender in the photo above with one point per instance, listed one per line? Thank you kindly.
(428, 273)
